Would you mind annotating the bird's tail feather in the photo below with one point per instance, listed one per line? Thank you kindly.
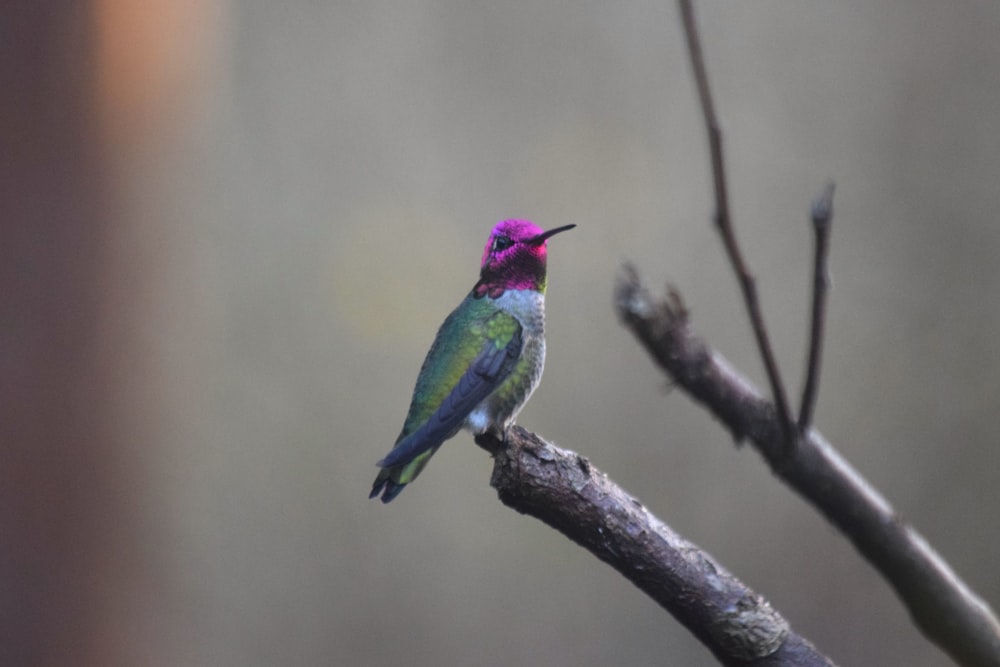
(391, 479)
(388, 488)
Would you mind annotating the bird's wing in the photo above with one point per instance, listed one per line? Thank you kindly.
(485, 373)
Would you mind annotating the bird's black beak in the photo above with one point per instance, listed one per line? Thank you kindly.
(544, 236)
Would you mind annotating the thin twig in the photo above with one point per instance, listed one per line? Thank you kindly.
(567, 492)
(822, 216)
(724, 223)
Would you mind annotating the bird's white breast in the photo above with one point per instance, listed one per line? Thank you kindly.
(528, 306)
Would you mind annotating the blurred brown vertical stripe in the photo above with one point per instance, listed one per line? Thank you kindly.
(67, 537)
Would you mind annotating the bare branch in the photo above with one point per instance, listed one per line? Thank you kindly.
(822, 217)
(941, 605)
(565, 491)
(724, 224)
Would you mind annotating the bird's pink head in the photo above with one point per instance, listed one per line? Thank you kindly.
(514, 258)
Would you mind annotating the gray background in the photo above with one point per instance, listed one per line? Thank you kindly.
(320, 203)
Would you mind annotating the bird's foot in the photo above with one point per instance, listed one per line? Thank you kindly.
(489, 441)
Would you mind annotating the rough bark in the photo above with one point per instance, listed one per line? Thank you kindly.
(564, 490)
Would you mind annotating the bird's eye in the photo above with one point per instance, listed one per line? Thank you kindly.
(501, 243)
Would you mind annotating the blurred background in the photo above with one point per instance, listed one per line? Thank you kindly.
(232, 230)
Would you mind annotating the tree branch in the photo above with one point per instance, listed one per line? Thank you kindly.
(565, 491)
(941, 605)
(822, 216)
(723, 222)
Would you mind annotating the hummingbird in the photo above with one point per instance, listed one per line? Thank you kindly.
(486, 359)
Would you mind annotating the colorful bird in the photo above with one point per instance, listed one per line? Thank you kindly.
(486, 359)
